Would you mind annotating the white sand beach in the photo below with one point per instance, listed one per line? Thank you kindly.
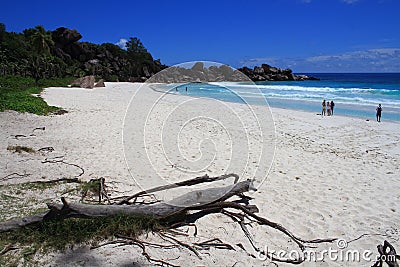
(327, 177)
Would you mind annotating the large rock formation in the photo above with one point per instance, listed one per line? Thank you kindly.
(107, 60)
(63, 36)
(84, 82)
(269, 73)
(198, 73)
(112, 63)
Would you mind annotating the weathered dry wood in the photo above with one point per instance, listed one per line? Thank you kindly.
(21, 222)
(387, 253)
(214, 242)
(183, 244)
(190, 182)
(139, 243)
(191, 199)
(66, 180)
(179, 210)
(160, 210)
(299, 241)
(7, 248)
(103, 192)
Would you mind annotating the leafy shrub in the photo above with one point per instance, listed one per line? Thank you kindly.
(16, 93)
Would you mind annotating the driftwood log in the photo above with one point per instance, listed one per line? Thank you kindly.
(175, 212)
(190, 200)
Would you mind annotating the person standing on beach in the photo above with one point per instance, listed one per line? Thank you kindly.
(329, 108)
(323, 108)
(332, 106)
(378, 113)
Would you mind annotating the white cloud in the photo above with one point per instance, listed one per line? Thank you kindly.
(122, 43)
(373, 60)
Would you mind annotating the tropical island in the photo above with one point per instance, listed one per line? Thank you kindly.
(195, 180)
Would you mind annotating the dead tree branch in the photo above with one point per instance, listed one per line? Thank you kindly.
(190, 182)
(180, 211)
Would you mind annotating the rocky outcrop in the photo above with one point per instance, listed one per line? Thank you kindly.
(112, 63)
(100, 83)
(84, 82)
(269, 73)
(222, 73)
(198, 73)
(63, 37)
(107, 60)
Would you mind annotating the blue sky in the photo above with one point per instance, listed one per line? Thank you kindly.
(305, 35)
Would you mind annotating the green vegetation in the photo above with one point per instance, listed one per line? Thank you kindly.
(59, 234)
(18, 197)
(44, 54)
(17, 200)
(92, 186)
(18, 93)
(21, 149)
(39, 58)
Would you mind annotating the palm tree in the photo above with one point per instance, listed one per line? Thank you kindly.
(106, 70)
(42, 40)
(3, 62)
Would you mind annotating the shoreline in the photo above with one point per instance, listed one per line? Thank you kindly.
(305, 103)
(328, 177)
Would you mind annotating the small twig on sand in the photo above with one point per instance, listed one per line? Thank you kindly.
(215, 242)
(46, 149)
(136, 242)
(7, 248)
(15, 175)
(181, 243)
(59, 160)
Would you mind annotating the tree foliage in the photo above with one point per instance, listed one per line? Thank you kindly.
(2, 31)
(41, 41)
(37, 53)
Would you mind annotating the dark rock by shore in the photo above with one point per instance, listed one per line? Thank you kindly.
(84, 82)
(269, 73)
(224, 73)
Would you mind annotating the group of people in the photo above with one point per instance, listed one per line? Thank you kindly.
(327, 108)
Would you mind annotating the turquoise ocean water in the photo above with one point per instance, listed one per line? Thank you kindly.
(354, 94)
